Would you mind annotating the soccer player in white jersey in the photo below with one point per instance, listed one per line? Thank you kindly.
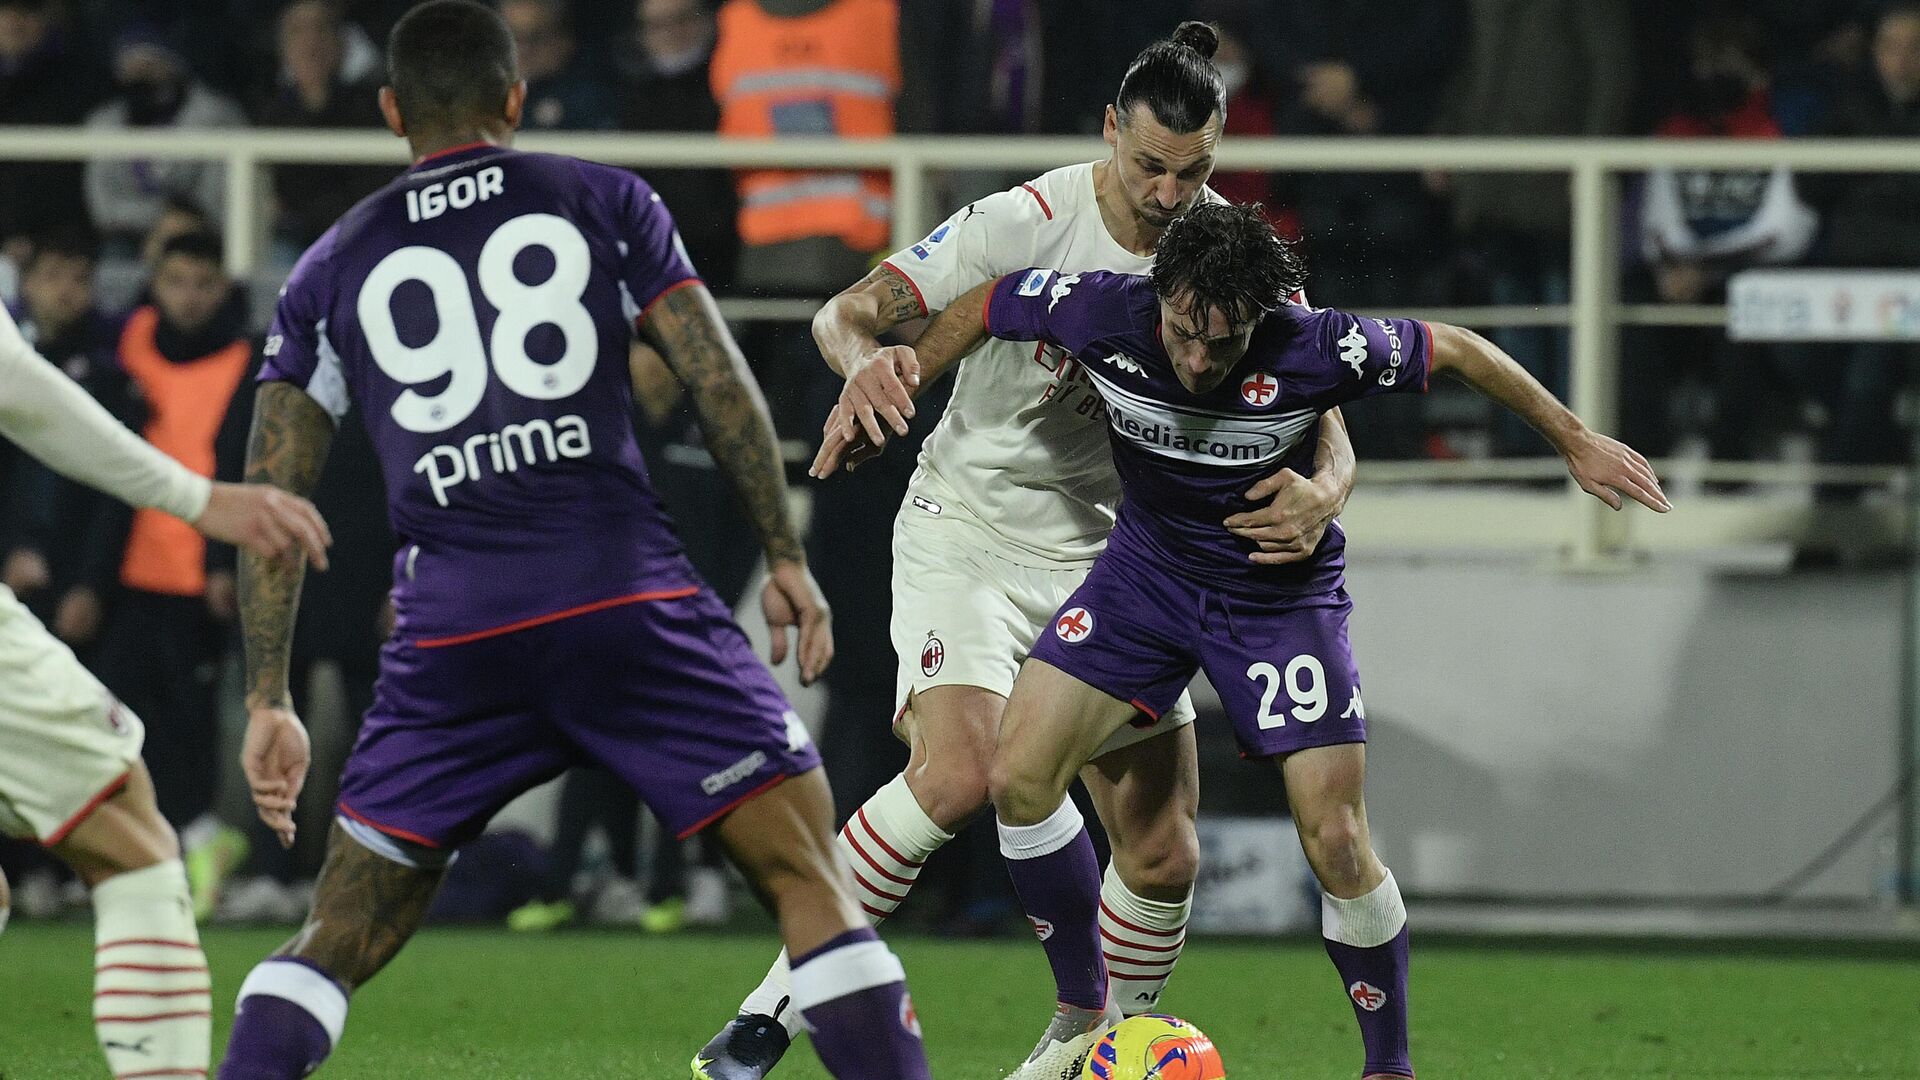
(70, 771)
(1013, 499)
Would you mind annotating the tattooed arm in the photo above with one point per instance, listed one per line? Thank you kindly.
(685, 326)
(848, 328)
(291, 433)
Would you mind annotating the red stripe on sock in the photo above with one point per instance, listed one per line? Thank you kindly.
(1112, 959)
(874, 911)
(159, 1072)
(1124, 943)
(879, 892)
(151, 1017)
(1135, 978)
(160, 942)
(157, 968)
(854, 843)
(878, 839)
(150, 993)
(1108, 912)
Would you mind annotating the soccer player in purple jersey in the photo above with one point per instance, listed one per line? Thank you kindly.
(479, 310)
(1208, 377)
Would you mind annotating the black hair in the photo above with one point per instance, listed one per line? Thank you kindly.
(201, 244)
(1898, 9)
(1226, 258)
(1176, 79)
(72, 243)
(451, 63)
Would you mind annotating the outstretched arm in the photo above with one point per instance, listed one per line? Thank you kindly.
(685, 326)
(890, 379)
(288, 447)
(1605, 468)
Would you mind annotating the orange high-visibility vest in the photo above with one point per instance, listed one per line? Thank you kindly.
(186, 404)
(833, 73)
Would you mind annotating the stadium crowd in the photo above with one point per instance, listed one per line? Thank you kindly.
(113, 268)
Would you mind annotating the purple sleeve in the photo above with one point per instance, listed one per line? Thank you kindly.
(653, 260)
(1064, 309)
(1376, 356)
(296, 349)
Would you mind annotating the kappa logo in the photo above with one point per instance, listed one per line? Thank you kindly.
(1041, 928)
(1073, 625)
(274, 344)
(1367, 996)
(1125, 363)
(1353, 350)
(716, 783)
(932, 655)
(1356, 707)
(1060, 291)
(1260, 390)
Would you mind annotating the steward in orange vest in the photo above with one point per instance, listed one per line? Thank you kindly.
(800, 69)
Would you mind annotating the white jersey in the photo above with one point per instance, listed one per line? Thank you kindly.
(1022, 448)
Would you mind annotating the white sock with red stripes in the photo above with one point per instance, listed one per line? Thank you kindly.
(886, 842)
(1142, 939)
(151, 1007)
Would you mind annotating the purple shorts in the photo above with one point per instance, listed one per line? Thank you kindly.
(1281, 665)
(666, 693)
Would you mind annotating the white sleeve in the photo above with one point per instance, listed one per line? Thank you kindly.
(983, 240)
(57, 422)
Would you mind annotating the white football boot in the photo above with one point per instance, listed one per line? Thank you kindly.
(1064, 1047)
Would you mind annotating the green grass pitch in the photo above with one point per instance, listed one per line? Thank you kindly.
(484, 1004)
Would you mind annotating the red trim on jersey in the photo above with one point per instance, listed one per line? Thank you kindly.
(93, 804)
(911, 284)
(398, 834)
(161, 942)
(732, 806)
(1145, 708)
(451, 150)
(662, 295)
(542, 620)
(1044, 208)
(1125, 925)
(884, 846)
(986, 308)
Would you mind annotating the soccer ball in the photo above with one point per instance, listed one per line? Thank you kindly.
(1153, 1047)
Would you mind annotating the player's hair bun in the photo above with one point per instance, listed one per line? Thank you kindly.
(1199, 36)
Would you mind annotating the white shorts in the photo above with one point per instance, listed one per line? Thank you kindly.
(65, 744)
(966, 616)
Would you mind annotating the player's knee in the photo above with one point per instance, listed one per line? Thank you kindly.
(1020, 794)
(951, 792)
(1336, 844)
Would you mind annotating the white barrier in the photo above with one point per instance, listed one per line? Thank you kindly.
(1579, 527)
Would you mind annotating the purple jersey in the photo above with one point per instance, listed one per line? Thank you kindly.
(1185, 459)
(479, 311)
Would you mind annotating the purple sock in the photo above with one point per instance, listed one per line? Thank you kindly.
(1376, 982)
(852, 993)
(1058, 879)
(287, 1021)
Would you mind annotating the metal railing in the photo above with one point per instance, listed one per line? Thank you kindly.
(1572, 523)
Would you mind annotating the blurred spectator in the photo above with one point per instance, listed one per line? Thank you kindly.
(45, 79)
(1872, 221)
(561, 94)
(189, 355)
(1699, 226)
(58, 316)
(154, 90)
(991, 73)
(808, 68)
(1532, 67)
(313, 90)
(672, 91)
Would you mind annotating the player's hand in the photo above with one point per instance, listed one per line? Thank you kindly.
(274, 758)
(793, 599)
(266, 521)
(880, 389)
(26, 572)
(77, 620)
(842, 442)
(1608, 468)
(1290, 526)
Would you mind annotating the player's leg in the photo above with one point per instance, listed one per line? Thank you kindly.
(1362, 919)
(151, 1006)
(1286, 675)
(849, 986)
(1147, 793)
